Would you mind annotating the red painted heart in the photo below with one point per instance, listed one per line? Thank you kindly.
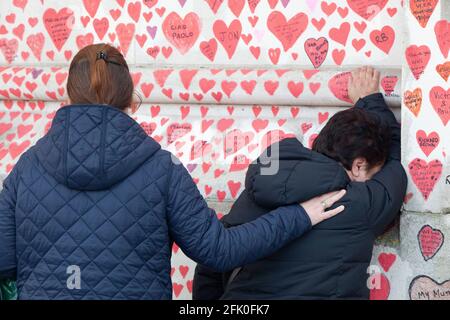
(422, 10)
(386, 260)
(59, 25)
(228, 36)
(367, 9)
(440, 100)
(427, 142)
(417, 58)
(425, 175)
(287, 32)
(442, 30)
(182, 33)
(430, 241)
(316, 50)
(339, 86)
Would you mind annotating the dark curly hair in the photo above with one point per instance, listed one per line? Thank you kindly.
(354, 133)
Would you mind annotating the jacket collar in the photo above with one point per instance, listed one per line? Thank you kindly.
(92, 147)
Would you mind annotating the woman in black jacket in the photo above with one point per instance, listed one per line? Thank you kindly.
(358, 149)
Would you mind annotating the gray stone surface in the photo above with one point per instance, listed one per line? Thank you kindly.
(419, 248)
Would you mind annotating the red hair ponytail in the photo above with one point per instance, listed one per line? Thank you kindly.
(99, 74)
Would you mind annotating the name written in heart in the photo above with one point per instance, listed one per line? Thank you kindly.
(427, 142)
(442, 96)
(424, 288)
(228, 35)
(180, 32)
(381, 38)
(418, 58)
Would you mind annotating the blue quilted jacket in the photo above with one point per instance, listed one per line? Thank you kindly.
(98, 194)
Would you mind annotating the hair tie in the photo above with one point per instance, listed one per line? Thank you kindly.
(102, 55)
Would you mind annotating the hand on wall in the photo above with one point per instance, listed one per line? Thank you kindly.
(363, 82)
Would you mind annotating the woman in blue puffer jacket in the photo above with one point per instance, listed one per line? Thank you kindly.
(92, 210)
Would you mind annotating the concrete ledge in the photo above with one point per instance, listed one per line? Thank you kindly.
(240, 86)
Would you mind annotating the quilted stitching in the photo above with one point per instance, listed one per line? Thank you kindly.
(105, 232)
(118, 236)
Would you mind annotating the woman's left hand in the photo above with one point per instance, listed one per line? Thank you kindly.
(316, 207)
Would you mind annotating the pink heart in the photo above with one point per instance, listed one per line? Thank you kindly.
(287, 31)
(386, 260)
(427, 142)
(339, 86)
(383, 39)
(430, 241)
(125, 34)
(101, 27)
(440, 99)
(228, 36)
(367, 9)
(214, 4)
(209, 48)
(425, 288)
(422, 10)
(316, 50)
(91, 6)
(417, 58)
(295, 88)
(59, 25)
(9, 49)
(425, 175)
(182, 33)
(388, 84)
(442, 30)
(236, 6)
(340, 34)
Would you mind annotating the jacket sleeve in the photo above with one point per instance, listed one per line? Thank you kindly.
(202, 237)
(8, 226)
(387, 189)
(375, 104)
(207, 283)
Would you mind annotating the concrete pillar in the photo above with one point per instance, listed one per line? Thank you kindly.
(425, 223)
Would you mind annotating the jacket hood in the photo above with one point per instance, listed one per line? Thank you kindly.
(297, 175)
(92, 147)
